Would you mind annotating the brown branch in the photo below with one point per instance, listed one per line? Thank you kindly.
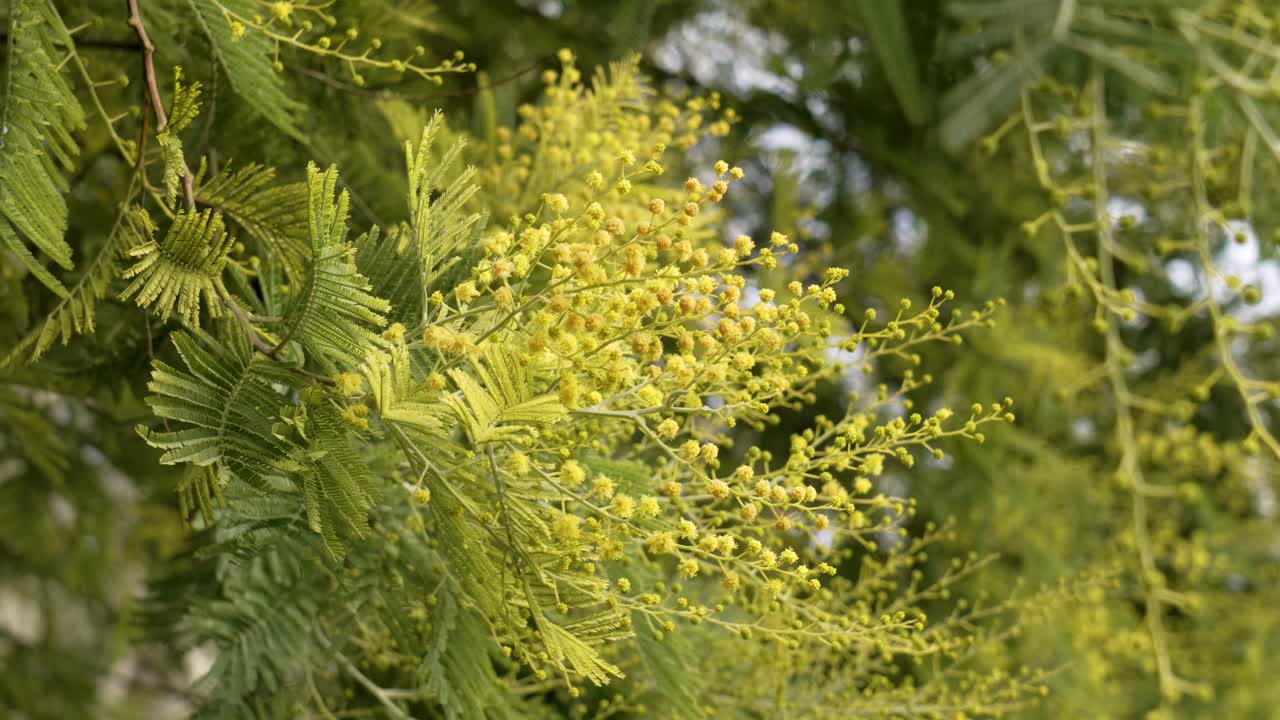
(246, 322)
(148, 65)
(153, 92)
(247, 325)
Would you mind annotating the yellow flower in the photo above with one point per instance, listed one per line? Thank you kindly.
(394, 333)
(572, 473)
(662, 543)
(668, 428)
(623, 505)
(348, 383)
(281, 10)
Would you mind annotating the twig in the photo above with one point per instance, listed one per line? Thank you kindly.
(247, 325)
(392, 90)
(153, 92)
(374, 689)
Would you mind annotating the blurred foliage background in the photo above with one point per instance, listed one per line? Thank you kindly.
(958, 143)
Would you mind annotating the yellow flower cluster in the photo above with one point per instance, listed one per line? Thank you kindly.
(624, 305)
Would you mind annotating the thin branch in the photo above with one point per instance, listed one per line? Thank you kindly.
(374, 689)
(153, 93)
(247, 325)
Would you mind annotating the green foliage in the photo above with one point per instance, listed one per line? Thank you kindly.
(273, 215)
(40, 112)
(180, 269)
(331, 312)
(246, 60)
(530, 425)
(498, 405)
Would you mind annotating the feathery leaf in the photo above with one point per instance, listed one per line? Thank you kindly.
(185, 265)
(439, 225)
(38, 115)
(273, 215)
(226, 398)
(247, 62)
(501, 405)
(331, 313)
(76, 313)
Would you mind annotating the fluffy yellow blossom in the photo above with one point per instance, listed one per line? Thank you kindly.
(348, 383)
(662, 543)
(668, 428)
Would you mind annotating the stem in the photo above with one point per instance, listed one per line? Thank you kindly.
(1171, 685)
(247, 325)
(153, 93)
(374, 689)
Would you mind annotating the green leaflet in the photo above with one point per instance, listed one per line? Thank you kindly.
(392, 265)
(670, 662)
(458, 670)
(263, 622)
(246, 61)
(499, 404)
(38, 115)
(235, 417)
(179, 270)
(331, 313)
(75, 314)
(569, 648)
(338, 490)
(186, 105)
(465, 545)
(274, 216)
(391, 384)
(226, 400)
(438, 224)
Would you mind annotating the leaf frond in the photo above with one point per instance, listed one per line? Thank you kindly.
(38, 114)
(332, 312)
(177, 271)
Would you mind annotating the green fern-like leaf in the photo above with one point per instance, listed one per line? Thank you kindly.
(76, 313)
(263, 624)
(457, 670)
(186, 105)
(501, 404)
(234, 416)
(332, 312)
(274, 216)
(439, 226)
(391, 262)
(572, 653)
(395, 398)
(38, 115)
(186, 265)
(465, 545)
(226, 400)
(247, 62)
(337, 488)
(668, 661)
